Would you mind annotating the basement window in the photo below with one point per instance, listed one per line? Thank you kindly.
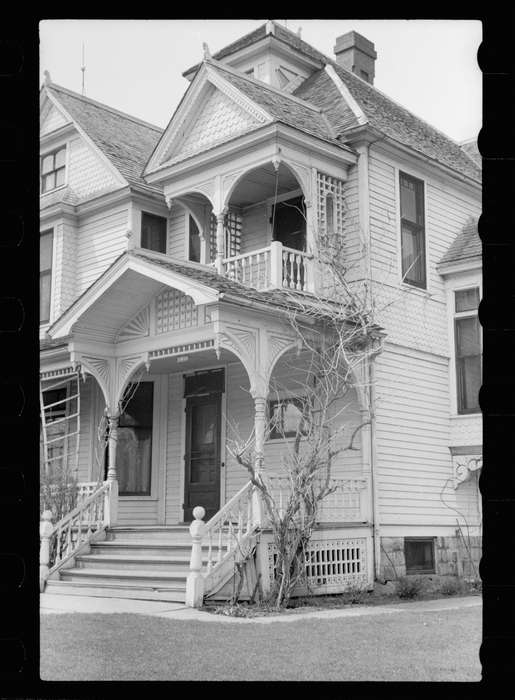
(419, 553)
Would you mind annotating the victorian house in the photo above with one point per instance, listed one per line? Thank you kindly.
(169, 260)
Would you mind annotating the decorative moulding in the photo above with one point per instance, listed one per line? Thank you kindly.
(138, 327)
(464, 466)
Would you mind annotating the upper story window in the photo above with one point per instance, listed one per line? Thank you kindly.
(46, 241)
(53, 170)
(194, 241)
(413, 243)
(153, 232)
(286, 418)
(250, 72)
(467, 336)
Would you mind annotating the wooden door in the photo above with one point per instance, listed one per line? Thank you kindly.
(202, 455)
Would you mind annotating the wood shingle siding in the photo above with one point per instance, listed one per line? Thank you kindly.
(87, 174)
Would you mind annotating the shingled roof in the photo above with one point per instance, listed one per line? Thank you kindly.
(381, 112)
(127, 141)
(465, 246)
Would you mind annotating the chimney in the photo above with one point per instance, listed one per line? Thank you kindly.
(357, 54)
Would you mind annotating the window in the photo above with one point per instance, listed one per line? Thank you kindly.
(363, 74)
(194, 241)
(45, 274)
(250, 72)
(419, 553)
(153, 232)
(468, 349)
(412, 231)
(134, 449)
(53, 168)
(286, 418)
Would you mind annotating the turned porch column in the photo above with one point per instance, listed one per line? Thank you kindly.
(220, 241)
(111, 505)
(259, 454)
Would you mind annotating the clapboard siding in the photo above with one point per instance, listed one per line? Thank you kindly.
(87, 397)
(352, 236)
(412, 439)
(176, 246)
(101, 239)
(255, 229)
(87, 173)
(239, 424)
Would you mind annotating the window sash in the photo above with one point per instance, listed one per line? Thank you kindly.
(468, 363)
(413, 254)
(53, 170)
(153, 232)
(45, 274)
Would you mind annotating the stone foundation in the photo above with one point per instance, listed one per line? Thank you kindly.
(451, 557)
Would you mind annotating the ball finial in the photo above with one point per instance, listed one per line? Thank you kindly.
(198, 512)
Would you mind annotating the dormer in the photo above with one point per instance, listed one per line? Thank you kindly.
(271, 54)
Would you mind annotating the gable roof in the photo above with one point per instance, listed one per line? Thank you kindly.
(381, 112)
(281, 106)
(466, 245)
(125, 140)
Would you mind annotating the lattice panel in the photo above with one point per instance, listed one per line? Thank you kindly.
(232, 234)
(327, 185)
(333, 565)
(175, 310)
(340, 506)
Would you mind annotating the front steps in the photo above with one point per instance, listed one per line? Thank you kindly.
(144, 563)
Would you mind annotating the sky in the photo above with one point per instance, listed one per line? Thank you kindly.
(428, 66)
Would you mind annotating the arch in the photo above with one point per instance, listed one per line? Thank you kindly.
(302, 178)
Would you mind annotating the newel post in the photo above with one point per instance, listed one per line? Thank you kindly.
(45, 530)
(276, 264)
(195, 580)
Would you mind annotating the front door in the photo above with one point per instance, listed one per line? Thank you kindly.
(202, 455)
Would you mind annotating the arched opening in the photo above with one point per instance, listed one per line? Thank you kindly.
(266, 204)
(193, 214)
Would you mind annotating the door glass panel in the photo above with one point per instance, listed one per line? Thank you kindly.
(134, 448)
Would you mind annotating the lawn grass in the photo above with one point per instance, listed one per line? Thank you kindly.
(406, 646)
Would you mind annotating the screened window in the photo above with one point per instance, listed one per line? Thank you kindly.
(45, 274)
(286, 418)
(153, 232)
(53, 169)
(194, 241)
(419, 554)
(468, 350)
(412, 231)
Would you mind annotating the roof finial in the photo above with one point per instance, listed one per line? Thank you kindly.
(48, 79)
(270, 29)
(207, 52)
(299, 32)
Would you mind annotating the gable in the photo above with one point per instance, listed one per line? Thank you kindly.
(53, 119)
(218, 119)
(88, 173)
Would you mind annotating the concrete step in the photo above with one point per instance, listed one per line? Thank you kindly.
(125, 561)
(110, 590)
(139, 577)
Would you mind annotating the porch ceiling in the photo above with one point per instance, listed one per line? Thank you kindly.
(259, 184)
(117, 306)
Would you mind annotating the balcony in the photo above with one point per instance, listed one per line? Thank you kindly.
(274, 267)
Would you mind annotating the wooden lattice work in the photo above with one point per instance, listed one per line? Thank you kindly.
(332, 566)
(212, 238)
(233, 225)
(331, 203)
(175, 310)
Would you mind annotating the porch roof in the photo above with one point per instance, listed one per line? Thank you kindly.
(115, 288)
(465, 246)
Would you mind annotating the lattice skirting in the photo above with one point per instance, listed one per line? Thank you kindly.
(334, 566)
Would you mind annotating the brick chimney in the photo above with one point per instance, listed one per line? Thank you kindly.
(357, 54)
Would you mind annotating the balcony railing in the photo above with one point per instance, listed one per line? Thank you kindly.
(275, 267)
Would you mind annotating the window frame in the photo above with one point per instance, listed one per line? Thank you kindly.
(458, 316)
(291, 435)
(154, 216)
(48, 272)
(426, 540)
(420, 228)
(53, 152)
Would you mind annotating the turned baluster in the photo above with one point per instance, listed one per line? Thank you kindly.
(298, 271)
(210, 552)
(195, 581)
(249, 510)
(45, 531)
(219, 553)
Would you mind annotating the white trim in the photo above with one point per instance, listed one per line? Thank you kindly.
(345, 93)
(472, 265)
(201, 294)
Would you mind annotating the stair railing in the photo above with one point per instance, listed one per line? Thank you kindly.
(61, 542)
(229, 538)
